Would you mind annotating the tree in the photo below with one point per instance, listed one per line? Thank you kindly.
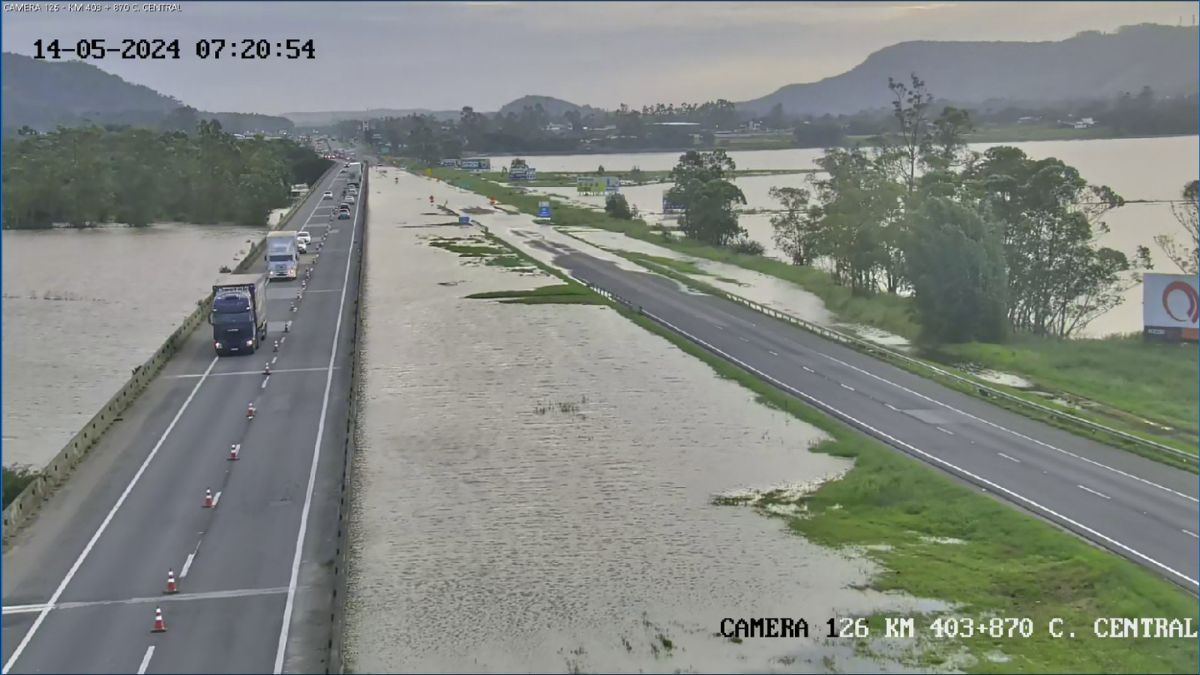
(616, 206)
(910, 106)
(776, 119)
(1059, 279)
(636, 175)
(798, 230)
(859, 211)
(706, 196)
(1186, 214)
(956, 263)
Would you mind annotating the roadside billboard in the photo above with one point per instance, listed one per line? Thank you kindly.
(1170, 307)
(476, 164)
(597, 185)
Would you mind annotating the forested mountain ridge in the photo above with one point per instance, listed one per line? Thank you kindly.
(1089, 66)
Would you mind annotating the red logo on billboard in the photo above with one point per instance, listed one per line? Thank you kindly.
(1193, 312)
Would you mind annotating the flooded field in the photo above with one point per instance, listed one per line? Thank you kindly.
(534, 485)
(83, 307)
(1137, 168)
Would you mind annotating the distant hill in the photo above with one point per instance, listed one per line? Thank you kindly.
(1090, 65)
(47, 94)
(554, 107)
(327, 117)
(44, 94)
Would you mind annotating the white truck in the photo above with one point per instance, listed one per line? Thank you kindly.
(283, 255)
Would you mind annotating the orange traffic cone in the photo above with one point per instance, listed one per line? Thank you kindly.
(208, 500)
(233, 452)
(172, 587)
(267, 369)
(160, 626)
(250, 411)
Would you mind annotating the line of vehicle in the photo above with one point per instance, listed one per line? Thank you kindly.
(316, 454)
(52, 603)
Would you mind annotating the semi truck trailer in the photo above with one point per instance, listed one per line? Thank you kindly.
(239, 313)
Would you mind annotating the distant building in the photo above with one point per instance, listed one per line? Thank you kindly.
(1085, 123)
(476, 164)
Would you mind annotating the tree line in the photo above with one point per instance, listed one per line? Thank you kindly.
(534, 129)
(89, 176)
(987, 244)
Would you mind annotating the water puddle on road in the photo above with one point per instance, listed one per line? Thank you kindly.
(534, 489)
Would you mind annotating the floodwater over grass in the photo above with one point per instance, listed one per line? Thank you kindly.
(534, 486)
(1151, 169)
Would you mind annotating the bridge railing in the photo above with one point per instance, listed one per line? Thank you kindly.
(56, 471)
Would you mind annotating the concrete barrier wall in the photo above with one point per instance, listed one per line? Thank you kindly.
(58, 469)
(335, 663)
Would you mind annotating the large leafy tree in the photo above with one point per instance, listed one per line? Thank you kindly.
(1059, 278)
(707, 196)
(955, 260)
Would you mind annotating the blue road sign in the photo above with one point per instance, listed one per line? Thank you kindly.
(543, 209)
(464, 220)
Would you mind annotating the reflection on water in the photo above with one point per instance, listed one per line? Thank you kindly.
(83, 307)
(1137, 168)
(533, 487)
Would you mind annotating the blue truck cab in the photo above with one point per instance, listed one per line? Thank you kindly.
(239, 313)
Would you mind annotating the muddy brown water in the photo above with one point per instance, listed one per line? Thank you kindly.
(534, 483)
(80, 313)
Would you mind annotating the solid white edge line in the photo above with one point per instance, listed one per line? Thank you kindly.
(146, 660)
(1191, 534)
(1014, 433)
(103, 525)
(316, 456)
(932, 458)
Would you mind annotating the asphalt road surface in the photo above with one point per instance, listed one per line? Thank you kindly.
(1133, 506)
(254, 573)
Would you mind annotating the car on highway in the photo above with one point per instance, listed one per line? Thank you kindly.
(301, 246)
(343, 215)
(350, 198)
(327, 195)
(304, 237)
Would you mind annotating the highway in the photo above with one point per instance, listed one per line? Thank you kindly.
(254, 573)
(1133, 506)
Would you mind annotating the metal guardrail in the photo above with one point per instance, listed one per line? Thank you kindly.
(56, 471)
(876, 349)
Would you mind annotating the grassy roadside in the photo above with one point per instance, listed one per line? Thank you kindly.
(1155, 398)
(937, 538)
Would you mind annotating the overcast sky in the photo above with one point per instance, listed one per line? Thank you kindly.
(484, 54)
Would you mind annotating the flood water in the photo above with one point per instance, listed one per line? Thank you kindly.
(533, 485)
(81, 308)
(1137, 168)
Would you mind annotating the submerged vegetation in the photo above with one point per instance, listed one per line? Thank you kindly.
(935, 537)
(560, 294)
